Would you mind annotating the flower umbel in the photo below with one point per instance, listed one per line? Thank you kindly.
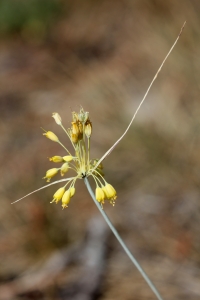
(79, 135)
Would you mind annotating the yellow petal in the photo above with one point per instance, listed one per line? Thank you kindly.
(66, 199)
(99, 193)
(58, 194)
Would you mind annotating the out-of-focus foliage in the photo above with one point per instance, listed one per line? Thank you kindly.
(28, 16)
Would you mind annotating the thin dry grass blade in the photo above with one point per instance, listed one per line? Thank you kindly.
(115, 144)
(43, 187)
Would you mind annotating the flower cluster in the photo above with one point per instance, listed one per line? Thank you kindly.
(79, 135)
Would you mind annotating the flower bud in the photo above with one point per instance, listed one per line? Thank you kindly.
(50, 135)
(99, 193)
(66, 199)
(50, 173)
(68, 158)
(56, 159)
(58, 195)
(57, 118)
(64, 169)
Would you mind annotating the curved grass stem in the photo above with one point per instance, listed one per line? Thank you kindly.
(132, 258)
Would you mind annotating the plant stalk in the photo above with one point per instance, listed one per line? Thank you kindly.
(132, 258)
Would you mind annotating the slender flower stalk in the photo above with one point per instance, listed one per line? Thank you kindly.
(79, 135)
(130, 255)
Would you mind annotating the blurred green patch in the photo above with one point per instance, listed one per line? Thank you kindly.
(28, 17)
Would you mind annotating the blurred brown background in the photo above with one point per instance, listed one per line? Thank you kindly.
(55, 56)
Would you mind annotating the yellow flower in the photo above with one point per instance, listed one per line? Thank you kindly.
(50, 173)
(66, 199)
(110, 192)
(68, 158)
(56, 159)
(50, 135)
(64, 169)
(99, 193)
(58, 195)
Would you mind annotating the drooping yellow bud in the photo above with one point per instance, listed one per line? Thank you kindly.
(68, 158)
(66, 199)
(56, 159)
(64, 169)
(99, 193)
(110, 192)
(50, 135)
(72, 191)
(50, 173)
(57, 118)
(58, 195)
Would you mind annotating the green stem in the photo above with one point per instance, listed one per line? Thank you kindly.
(132, 258)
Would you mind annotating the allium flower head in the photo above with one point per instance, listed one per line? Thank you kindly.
(80, 162)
